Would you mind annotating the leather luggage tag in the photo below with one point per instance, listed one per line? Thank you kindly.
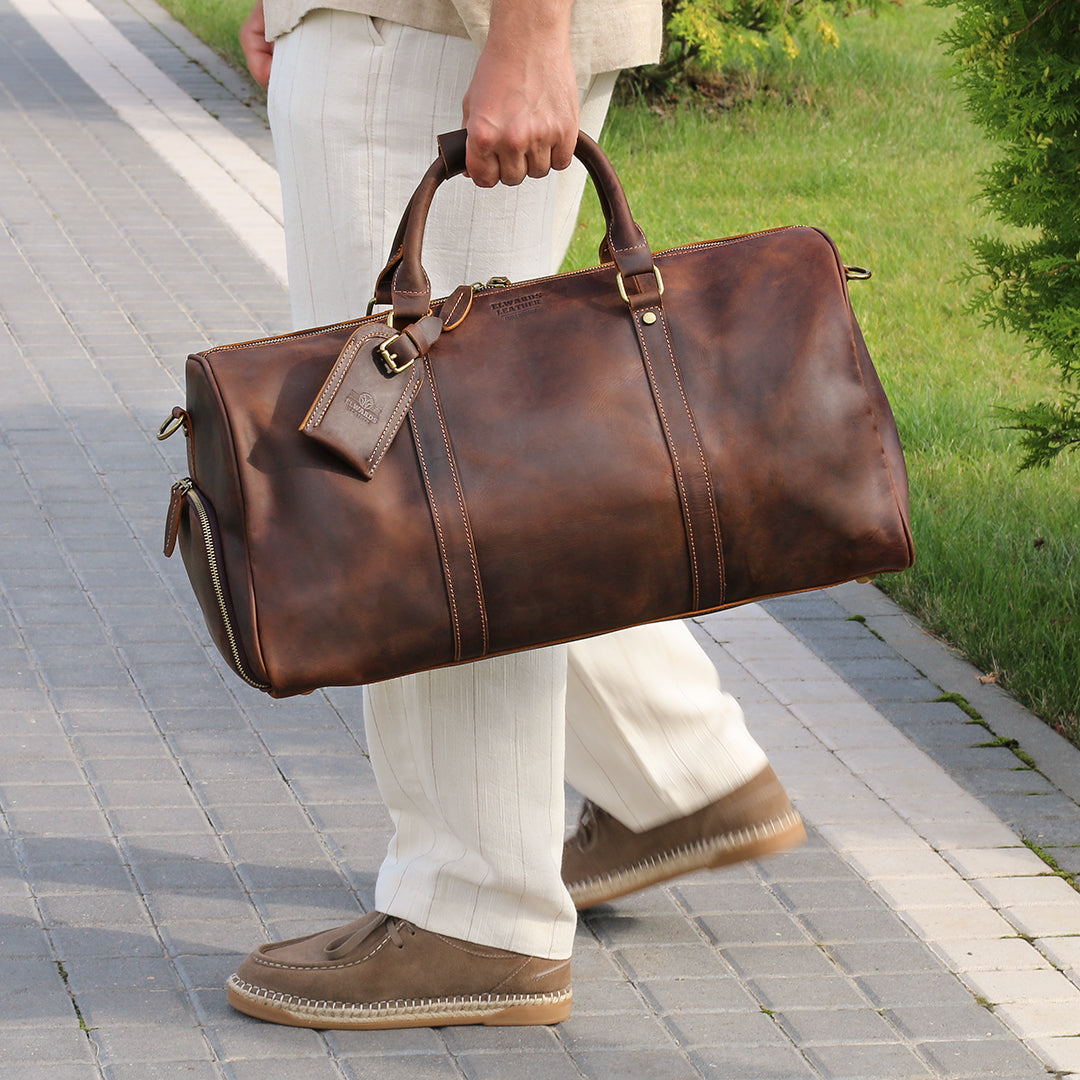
(360, 408)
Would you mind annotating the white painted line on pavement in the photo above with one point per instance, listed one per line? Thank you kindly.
(220, 168)
(958, 876)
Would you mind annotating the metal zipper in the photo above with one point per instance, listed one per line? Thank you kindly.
(187, 487)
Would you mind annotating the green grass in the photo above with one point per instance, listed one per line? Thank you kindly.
(217, 22)
(871, 142)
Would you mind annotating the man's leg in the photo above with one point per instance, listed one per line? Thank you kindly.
(673, 780)
(474, 920)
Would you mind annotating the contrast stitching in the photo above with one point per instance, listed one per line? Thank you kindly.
(447, 575)
(341, 369)
(452, 313)
(391, 428)
(483, 1002)
(675, 461)
(701, 451)
(470, 542)
(729, 841)
(260, 958)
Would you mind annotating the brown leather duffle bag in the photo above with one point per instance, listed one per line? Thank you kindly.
(661, 435)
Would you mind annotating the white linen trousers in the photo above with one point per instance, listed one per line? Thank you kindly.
(470, 760)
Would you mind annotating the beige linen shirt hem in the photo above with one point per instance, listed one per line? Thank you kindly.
(606, 35)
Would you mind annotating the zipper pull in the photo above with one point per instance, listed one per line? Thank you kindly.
(172, 520)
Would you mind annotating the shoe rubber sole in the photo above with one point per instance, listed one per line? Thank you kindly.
(492, 1010)
(767, 838)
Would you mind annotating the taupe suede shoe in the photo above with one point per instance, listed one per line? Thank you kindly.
(604, 859)
(383, 972)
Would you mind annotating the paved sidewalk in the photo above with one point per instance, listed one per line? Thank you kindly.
(159, 818)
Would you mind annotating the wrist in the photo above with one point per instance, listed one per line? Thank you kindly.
(531, 24)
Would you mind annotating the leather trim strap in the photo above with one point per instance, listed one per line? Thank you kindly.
(692, 476)
(450, 517)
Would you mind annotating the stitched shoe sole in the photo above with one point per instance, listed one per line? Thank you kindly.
(768, 838)
(499, 1009)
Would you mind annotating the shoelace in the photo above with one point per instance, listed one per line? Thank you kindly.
(587, 824)
(341, 947)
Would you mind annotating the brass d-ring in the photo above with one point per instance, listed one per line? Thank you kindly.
(622, 286)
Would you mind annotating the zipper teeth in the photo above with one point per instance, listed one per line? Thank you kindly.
(219, 591)
(485, 287)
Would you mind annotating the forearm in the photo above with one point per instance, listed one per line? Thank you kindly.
(521, 110)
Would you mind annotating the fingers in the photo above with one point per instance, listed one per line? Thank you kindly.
(494, 158)
(258, 52)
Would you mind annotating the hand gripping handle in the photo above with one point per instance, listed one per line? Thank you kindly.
(404, 284)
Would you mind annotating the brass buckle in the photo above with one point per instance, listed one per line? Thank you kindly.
(390, 359)
(622, 285)
(857, 273)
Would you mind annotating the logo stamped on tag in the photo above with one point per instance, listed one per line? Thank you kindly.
(363, 406)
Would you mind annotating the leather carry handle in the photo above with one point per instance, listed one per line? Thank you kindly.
(404, 285)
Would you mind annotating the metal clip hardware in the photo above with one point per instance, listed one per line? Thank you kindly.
(176, 420)
(390, 358)
(493, 283)
(622, 285)
(857, 273)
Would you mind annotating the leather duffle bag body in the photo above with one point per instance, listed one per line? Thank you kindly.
(662, 435)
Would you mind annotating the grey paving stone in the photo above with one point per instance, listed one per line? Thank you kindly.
(893, 990)
(635, 1065)
(756, 961)
(817, 896)
(750, 928)
(335, 905)
(282, 876)
(812, 862)
(33, 993)
(44, 1045)
(606, 997)
(808, 1027)
(402, 1042)
(78, 942)
(796, 610)
(96, 909)
(406, 1067)
(50, 1071)
(478, 1039)
(788, 992)
(1068, 858)
(613, 1032)
(518, 1065)
(140, 1044)
(311, 1069)
(725, 896)
(647, 962)
(847, 925)
(746, 1027)
(615, 931)
(923, 1023)
(24, 942)
(863, 958)
(779, 1062)
(873, 1061)
(987, 1059)
(167, 1070)
(236, 1038)
(57, 878)
(700, 995)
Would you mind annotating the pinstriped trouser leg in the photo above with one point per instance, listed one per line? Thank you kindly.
(470, 760)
